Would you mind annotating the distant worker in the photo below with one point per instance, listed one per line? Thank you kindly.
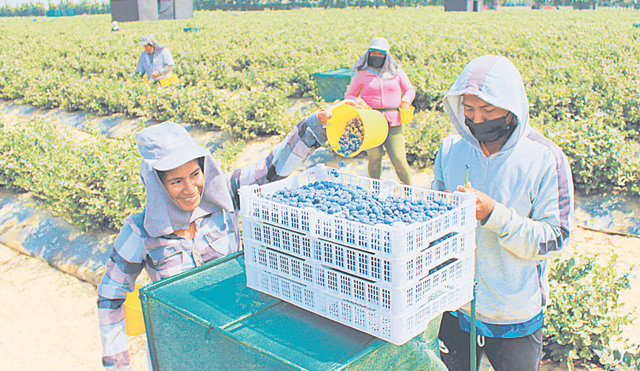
(524, 207)
(381, 84)
(115, 27)
(156, 61)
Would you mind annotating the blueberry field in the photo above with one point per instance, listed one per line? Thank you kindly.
(242, 71)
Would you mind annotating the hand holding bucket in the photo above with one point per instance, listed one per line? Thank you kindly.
(373, 124)
(406, 115)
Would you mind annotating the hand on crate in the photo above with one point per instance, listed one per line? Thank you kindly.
(154, 75)
(484, 203)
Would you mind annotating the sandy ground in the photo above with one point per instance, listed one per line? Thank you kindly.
(49, 319)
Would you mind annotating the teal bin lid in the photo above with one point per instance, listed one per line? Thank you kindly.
(333, 84)
(208, 316)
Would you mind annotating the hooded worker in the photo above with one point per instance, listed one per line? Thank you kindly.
(524, 209)
(381, 84)
(190, 218)
(156, 61)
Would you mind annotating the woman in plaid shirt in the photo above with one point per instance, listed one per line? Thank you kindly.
(190, 216)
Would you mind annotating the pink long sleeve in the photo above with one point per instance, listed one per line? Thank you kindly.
(379, 93)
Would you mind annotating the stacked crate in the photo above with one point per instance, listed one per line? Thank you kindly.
(386, 280)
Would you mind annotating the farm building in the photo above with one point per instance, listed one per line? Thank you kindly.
(150, 10)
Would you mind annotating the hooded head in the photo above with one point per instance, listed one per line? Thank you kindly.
(149, 39)
(389, 67)
(165, 147)
(496, 81)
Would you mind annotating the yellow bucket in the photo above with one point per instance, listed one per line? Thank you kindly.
(133, 320)
(375, 124)
(173, 79)
(406, 115)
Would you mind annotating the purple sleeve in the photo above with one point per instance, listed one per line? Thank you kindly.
(286, 157)
(123, 268)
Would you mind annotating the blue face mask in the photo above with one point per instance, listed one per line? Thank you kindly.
(375, 61)
(491, 130)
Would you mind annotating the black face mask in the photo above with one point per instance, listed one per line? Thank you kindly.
(491, 130)
(376, 61)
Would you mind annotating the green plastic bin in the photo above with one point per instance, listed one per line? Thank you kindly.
(333, 84)
(54, 13)
(207, 319)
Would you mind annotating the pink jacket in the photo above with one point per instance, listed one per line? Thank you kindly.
(379, 93)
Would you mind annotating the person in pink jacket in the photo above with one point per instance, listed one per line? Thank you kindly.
(381, 84)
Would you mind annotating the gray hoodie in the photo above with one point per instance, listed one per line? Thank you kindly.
(530, 181)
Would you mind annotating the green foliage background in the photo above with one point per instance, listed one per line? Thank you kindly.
(585, 312)
(239, 72)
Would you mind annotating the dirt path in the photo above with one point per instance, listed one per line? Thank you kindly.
(49, 319)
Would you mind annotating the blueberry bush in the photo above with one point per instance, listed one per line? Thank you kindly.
(585, 313)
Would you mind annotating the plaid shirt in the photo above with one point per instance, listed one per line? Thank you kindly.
(217, 235)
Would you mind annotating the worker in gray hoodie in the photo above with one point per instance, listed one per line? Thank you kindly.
(524, 209)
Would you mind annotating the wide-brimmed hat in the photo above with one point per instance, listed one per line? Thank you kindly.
(169, 144)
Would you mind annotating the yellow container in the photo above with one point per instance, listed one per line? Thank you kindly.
(375, 124)
(406, 115)
(173, 79)
(133, 320)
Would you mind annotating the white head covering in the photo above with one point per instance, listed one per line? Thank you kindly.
(389, 68)
(495, 80)
(149, 39)
(164, 147)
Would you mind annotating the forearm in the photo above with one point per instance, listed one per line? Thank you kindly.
(409, 91)
(524, 237)
(115, 348)
(165, 70)
(409, 95)
(118, 280)
(289, 155)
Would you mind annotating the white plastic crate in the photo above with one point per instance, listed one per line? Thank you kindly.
(398, 240)
(375, 266)
(381, 296)
(395, 329)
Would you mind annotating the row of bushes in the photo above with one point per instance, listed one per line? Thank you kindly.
(91, 182)
(239, 69)
(585, 313)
